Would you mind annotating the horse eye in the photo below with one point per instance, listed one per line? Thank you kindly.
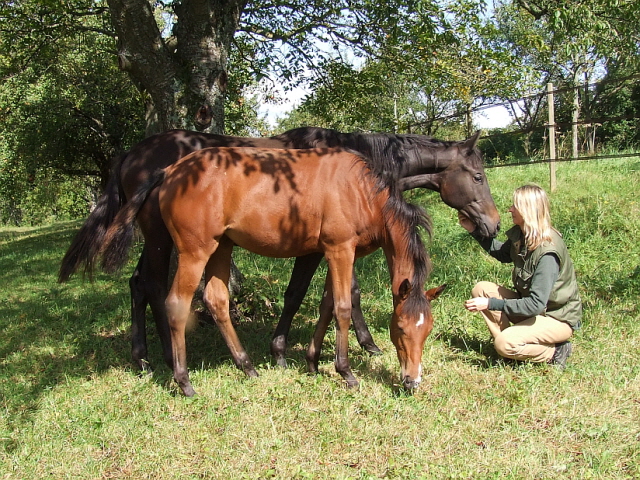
(477, 178)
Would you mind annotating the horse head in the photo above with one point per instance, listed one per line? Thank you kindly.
(462, 183)
(466, 188)
(411, 324)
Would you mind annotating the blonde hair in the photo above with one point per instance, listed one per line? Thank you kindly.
(533, 204)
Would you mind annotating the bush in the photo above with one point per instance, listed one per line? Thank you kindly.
(43, 196)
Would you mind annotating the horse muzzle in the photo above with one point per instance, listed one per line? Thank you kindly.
(487, 225)
(411, 384)
(411, 377)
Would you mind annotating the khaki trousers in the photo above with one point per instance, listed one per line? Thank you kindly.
(532, 339)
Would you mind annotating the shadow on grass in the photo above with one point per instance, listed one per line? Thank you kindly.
(56, 333)
(472, 351)
(59, 333)
(51, 332)
(627, 285)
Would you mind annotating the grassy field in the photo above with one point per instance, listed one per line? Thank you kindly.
(73, 407)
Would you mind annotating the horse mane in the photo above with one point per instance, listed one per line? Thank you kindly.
(384, 153)
(413, 220)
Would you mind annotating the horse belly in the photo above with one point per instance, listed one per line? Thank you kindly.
(275, 225)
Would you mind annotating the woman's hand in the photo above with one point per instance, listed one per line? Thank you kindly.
(466, 222)
(477, 304)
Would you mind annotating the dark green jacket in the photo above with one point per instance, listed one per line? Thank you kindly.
(563, 301)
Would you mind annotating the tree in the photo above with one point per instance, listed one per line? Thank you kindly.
(570, 43)
(65, 109)
(186, 73)
(422, 78)
(610, 27)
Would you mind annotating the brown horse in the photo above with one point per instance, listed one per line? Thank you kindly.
(452, 168)
(286, 203)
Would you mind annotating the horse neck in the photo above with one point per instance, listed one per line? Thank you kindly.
(422, 159)
(398, 253)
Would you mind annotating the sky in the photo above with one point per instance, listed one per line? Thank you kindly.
(496, 117)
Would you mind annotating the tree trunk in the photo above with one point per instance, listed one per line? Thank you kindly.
(590, 128)
(185, 80)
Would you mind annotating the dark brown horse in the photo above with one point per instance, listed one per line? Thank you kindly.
(285, 203)
(453, 168)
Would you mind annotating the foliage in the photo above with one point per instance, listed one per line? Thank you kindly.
(74, 116)
(567, 43)
(42, 195)
(66, 112)
(348, 99)
(73, 407)
(609, 27)
(617, 110)
(502, 146)
(441, 64)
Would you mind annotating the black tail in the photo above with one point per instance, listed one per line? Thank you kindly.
(86, 244)
(117, 239)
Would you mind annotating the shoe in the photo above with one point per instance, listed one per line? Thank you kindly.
(562, 352)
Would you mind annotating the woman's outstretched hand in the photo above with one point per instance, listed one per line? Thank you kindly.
(477, 304)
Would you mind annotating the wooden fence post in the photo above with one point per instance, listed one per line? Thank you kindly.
(552, 138)
(575, 118)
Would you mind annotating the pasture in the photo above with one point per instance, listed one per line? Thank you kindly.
(73, 406)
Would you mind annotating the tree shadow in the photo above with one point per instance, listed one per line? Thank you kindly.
(485, 356)
(55, 333)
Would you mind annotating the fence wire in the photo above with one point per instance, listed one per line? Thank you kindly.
(566, 159)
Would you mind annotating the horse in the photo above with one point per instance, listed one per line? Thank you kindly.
(285, 203)
(452, 168)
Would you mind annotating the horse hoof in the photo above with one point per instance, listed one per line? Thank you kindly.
(251, 372)
(144, 368)
(312, 366)
(281, 362)
(352, 383)
(372, 349)
(188, 391)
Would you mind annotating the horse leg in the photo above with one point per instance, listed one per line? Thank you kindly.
(178, 304)
(139, 351)
(303, 271)
(149, 285)
(341, 267)
(155, 275)
(326, 315)
(359, 324)
(216, 298)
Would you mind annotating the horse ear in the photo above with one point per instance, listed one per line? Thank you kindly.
(471, 142)
(405, 289)
(434, 293)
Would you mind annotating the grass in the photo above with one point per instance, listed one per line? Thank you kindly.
(73, 407)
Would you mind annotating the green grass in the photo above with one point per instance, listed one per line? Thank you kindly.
(73, 407)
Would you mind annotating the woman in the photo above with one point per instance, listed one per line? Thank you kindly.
(535, 321)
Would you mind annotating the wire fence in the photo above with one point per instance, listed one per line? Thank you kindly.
(566, 159)
(534, 126)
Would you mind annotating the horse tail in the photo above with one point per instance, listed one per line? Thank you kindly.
(119, 236)
(85, 245)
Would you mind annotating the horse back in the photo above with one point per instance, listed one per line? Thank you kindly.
(164, 149)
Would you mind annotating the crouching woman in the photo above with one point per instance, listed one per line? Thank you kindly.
(536, 319)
